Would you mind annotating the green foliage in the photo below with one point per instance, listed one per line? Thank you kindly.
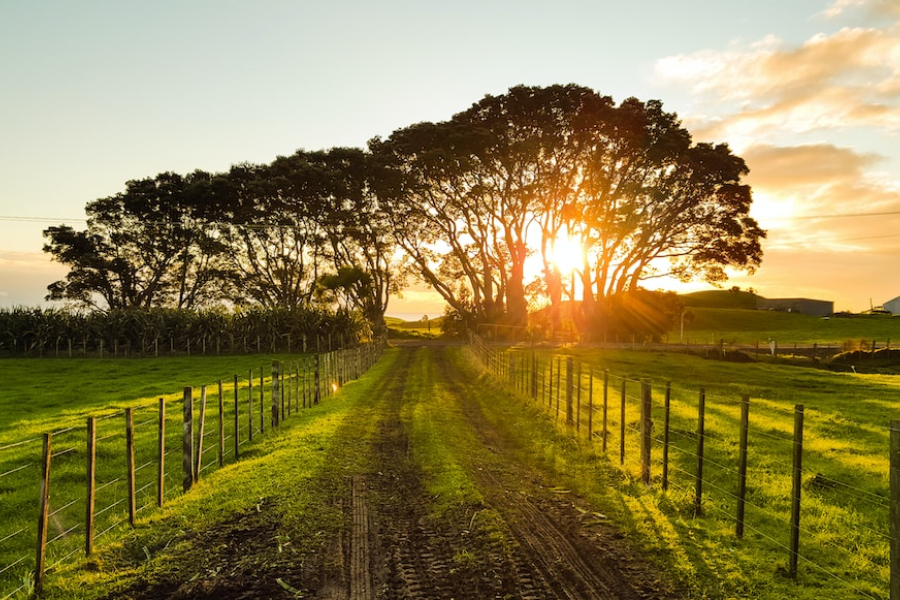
(732, 298)
(640, 314)
(167, 331)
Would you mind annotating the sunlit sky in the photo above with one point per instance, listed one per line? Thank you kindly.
(95, 93)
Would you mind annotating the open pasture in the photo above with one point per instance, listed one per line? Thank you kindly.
(688, 509)
(747, 327)
(141, 399)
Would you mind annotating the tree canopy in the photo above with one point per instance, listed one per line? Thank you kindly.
(465, 204)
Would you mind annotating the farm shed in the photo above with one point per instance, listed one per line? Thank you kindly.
(804, 306)
(893, 306)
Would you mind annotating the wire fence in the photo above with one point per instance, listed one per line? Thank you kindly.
(793, 481)
(92, 481)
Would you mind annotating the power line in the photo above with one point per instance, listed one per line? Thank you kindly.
(890, 213)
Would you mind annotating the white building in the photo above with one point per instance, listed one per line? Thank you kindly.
(893, 306)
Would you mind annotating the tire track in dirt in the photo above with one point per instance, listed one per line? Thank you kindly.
(554, 551)
(412, 554)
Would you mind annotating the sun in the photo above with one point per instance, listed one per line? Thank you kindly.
(566, 254)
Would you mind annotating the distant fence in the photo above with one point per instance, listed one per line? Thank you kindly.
(819, 510)
(710, 346)
(93, 479)
(182, 345)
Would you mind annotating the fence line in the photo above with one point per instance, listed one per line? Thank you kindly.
(148, 436)
(706, 453)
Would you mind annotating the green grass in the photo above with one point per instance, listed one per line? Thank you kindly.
(747, 327)
(295, 472)
(58, 395)
(845, 508)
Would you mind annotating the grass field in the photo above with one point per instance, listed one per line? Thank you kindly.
(845, 507)
(57, 395)
(747, 327)
(844, 535)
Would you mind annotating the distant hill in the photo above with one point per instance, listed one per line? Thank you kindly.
(720, 299)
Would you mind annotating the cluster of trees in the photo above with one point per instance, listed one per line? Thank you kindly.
(153, 331)
(463, 204)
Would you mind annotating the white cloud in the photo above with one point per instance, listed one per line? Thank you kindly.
(804, 196)
(849, 78)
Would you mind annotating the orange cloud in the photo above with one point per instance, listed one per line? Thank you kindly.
(850, 78)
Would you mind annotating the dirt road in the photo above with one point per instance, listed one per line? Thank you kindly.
(525, 538)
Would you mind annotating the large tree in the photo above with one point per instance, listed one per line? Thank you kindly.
(357, 249)
(147, 246)
(272, 241)
(473, 193)
(652, 204)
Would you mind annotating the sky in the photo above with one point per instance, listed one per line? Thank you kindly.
(96, 93)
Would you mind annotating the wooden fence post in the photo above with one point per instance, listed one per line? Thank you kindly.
(43, 516)
(199, 452)
(91, 488)
(796, 490)
(276, 367)
(578, 400)
(221, 427)
(666, 420)
(646, 429)
(237, 422)
(591, 405)
(129, 457)
(701, 438)
(187, 441)
(742, 465)
(262, 400)
(161, 454)
(558, 381)
(317, 382)
(605, 407)
(622, 425)
(570, 372)
(250, 406)
(550, 387)
(895, 509)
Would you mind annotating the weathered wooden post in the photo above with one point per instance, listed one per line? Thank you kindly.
(250, 406)
(221, 426)
(646, 429)
(237, 423)
(43, 516)
(895, 509)
(317, 393)
(578, 400)
(198, 466)
(666, 419)
(262, 400)
(796, 490)
(161, 454)
(187, 440)
(605, 407)
(276, 368)
(622, 424)
(701, 438)
(591, 404)
(570, 417)
(129, 457)
(91, 488)
(742, 465)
